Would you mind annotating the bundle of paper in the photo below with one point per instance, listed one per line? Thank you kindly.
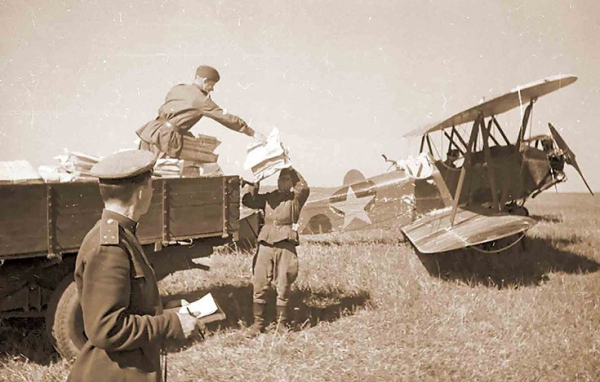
(18, 171)
(206, 309)
(57, 174)
(210, 169)
(207, 142)
(193, 169)
(76, 162)
(266, 159)
(200, 149)
(77, 165)
(168, 167)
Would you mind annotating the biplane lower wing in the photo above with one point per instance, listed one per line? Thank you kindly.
(434, 233)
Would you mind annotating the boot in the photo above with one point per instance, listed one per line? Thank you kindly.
(259, 321)
(283, 326)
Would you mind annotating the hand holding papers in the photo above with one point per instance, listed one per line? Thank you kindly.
(188, 323)
(267, 158)
(259, 137)
(205, 309)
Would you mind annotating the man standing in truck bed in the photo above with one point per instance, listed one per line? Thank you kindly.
(184, 106)
(276, 259)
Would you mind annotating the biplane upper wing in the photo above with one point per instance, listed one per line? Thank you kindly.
(434, 233)
(521, 95)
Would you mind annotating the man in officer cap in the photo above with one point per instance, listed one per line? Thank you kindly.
(184, 106)
(276, 259)
(122, 312)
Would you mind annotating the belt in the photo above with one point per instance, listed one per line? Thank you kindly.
(168, 124)
(280, 224)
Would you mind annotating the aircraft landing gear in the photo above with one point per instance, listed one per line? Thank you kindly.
(515, 209)
(500, 245)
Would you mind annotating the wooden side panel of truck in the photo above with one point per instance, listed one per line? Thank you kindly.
(42, 226)
(51, 219)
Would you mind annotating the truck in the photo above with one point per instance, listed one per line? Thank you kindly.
(42, 226)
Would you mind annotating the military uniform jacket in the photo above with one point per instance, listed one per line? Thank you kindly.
(122, 310)
(184, 106)
(282, 210)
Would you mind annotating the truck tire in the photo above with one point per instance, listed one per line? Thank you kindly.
(64, 320)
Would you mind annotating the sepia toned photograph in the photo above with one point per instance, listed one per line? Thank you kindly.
(360, 190)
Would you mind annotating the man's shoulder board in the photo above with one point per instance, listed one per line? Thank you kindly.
(109, 232)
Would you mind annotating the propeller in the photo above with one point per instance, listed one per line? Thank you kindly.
(569, 155)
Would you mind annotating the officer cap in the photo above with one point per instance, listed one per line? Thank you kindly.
(124, 164)
(208, 72)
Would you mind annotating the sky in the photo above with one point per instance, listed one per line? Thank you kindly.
(343, 81)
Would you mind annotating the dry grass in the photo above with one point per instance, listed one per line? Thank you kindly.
(370, 309)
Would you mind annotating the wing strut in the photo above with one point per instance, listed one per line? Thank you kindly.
(451, 137)
(467, 164)
(459, 137)
(489, 127)
(523, 128)
(452, 142)
(500, 130)
(422, 144)
(429, 144)
(485, 134)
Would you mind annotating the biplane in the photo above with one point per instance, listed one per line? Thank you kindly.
(471, 195)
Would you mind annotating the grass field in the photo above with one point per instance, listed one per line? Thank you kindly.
(370, 309)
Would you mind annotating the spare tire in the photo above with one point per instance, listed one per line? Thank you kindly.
(64, 320)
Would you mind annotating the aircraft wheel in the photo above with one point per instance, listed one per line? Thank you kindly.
(517, 210)
(64, 320)
(500, 245)
(319, 224)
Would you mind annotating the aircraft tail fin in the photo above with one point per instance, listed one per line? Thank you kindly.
(353, 176)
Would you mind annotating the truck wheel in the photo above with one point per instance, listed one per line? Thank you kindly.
(64, 320)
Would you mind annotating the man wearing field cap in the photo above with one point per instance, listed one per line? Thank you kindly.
(276, 259)
(184, 106)
(122, 312)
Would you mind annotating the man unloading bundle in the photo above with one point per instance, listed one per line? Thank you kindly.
(276, 260)
(184, 106)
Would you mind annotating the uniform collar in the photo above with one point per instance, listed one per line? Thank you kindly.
(200, 89)
(123, 220)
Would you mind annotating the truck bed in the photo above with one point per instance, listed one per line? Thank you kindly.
(44, 219)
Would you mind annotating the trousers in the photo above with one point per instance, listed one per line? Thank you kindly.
(275, 264)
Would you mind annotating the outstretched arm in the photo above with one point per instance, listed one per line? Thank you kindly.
(233, 122)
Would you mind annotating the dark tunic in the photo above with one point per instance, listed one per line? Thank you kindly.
(276, 260)
(184, 106)
(122, 311)
(282, 210)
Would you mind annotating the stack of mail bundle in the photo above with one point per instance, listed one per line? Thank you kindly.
(266, 159)
(196, 169)
(200, 149)
(18, 171)
(168, 167)
(77, 163)
(73, 166)
(171, 167)
(56, 174)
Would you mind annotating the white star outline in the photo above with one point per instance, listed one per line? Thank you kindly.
(354, 208)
